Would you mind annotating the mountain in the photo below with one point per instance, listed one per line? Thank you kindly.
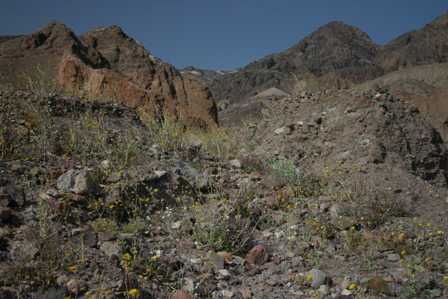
(424, 46)
(333, 57)
(106, 63)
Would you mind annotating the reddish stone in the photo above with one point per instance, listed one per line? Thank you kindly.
(181, 295)
(257, 255)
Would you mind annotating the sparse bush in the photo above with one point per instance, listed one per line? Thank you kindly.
(134, 226)
(40, 80)
(102, 225)
(373, 210)
(303, 185)
(172, 135)
(168, 134)
(223, 227)
(218, 142)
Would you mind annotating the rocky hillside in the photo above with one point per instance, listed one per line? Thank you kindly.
(330, 194)
(105, 63)
(425, 87)
(424, 46)
(335, 56)
(337, 196)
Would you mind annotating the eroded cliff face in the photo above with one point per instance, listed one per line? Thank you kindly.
(107, 64)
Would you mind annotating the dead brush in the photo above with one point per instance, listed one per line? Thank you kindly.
(222, 225)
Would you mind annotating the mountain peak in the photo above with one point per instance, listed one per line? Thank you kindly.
(340, 30)
(113, 30)
(57, 28)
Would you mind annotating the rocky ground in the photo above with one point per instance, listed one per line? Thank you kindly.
(336, 196)
(132, 190)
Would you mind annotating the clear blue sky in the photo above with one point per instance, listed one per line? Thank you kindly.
(220, 34)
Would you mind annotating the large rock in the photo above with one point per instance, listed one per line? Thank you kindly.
(106, 64)
(77, 181)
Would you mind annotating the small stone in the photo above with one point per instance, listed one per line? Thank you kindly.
(73, 286)
(188, 284)
(110, 248)
(181, 295)
(246, 293)
(195, 260)
(324, 290)
(160, 173)
(62, 280)
(226, 294)
(77, 181)
(176, 225)
(257, 255)
(235, 163)
(90, 239)
(393, 257)
(282, 130)
(227, 256)
(336, 211)
(378, 286)
(224, 273)
(316, 278)
(216, 260)
(105, 164)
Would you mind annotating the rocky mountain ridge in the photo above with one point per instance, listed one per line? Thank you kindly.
(106, 63)
(333, 57)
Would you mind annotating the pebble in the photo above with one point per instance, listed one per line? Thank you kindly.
(181, 295)
(224, 273)
(257, 255)
(317, 278)
(235, 163)
(393, 257)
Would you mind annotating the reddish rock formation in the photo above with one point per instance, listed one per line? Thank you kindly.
(107, 64)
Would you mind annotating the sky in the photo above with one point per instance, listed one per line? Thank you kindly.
(220, 34)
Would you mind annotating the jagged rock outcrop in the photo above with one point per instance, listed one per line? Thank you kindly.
(107, 64)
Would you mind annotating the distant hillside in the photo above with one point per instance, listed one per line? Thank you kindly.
(333, 57)
(202, 75)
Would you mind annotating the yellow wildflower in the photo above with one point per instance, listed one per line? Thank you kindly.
(134, 293)
(445, 280)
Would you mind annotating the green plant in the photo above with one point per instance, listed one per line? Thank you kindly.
(169, 134)
(134, 226)
(303, 185)
(222, 226)
(104, 225)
